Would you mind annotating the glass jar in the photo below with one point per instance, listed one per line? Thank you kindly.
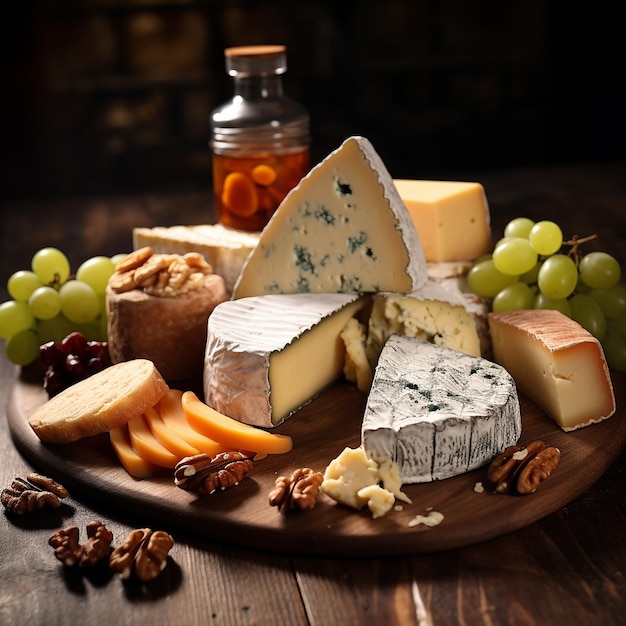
(260, 139)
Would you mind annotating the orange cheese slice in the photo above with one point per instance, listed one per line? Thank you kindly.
(132, 462)
(171, 411)
(168, 437)
(229, 432)
(148, 446)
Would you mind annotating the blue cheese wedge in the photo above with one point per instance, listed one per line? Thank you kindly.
(436, 412)
(436, 313)
(267, 356)
(343, 229)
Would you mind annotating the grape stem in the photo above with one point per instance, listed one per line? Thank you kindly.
(576, 241)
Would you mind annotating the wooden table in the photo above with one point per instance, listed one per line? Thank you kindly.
(568, 568)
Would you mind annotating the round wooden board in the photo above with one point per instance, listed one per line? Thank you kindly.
(320, 431)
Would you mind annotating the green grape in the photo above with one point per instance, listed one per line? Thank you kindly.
(587, 312)
(79, 302)
(599, 270)
(51, 266)
(45, 303)
(561, 304)
(21, 284)
(96, 272)
(514, 256)
(546, 238)
(513, 298)
(557, 277)
(530, 277)
(486, 281)
(612, 301)
(617, 325)
(23, 347)
(15, 316)
(581, 287)
(614, 346)
(55, 329)
(115, 259)
(519, 227)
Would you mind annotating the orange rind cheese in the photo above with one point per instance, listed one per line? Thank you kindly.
(234, 435)
(132, 462)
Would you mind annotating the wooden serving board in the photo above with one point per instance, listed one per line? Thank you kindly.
(320, 431)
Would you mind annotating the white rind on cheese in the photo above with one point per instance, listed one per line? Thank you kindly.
(225, 249)
(556, 363)
(267, 356)
(438, 413)
(343, 228)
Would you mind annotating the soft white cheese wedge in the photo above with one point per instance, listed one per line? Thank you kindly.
(267, 356)
(344, 228)
(436, 412)
(556, 363)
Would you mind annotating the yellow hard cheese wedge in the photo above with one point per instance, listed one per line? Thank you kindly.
(229, 432)
(171, 411)
(133, 463)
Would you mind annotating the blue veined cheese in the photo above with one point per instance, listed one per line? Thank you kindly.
(267, 356)
(344, 228)
(436, 313)
(437, 413)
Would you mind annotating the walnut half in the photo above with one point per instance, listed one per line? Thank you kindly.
(33, 493)
(521, 469)
(298, 491)
(204, 474)
(144, 554)
(69, 550)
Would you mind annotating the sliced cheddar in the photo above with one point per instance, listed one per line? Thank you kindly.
(166, 436)
(148, 446)
(132, 462)
(229, 432)
(171, 411)
(556, 363)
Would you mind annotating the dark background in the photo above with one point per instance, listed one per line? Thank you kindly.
(115, 96)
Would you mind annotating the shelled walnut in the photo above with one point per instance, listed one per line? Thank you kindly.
(205, 475)
(144, 554)
(162, 275)
(32, 493)
(521, 469)
(70, 551)
(298, 491)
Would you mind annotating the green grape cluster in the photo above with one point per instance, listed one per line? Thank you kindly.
(48, 303)
(529, 269)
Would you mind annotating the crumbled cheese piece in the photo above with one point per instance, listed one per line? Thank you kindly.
(432, 518)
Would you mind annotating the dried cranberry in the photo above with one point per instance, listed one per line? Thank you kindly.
(74, 343)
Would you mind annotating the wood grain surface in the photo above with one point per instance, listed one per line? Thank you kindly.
(320, 431)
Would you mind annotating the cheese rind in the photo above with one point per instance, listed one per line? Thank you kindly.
(556, 363)
(451, 217)
(343, 229)
(436, 412)
(225, 249)
(267, 356)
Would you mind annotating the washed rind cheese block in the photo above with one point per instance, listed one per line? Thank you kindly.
(225, 249)
(437, 413)
(267, 356)
(556, 363)
(451, 217)
(434, 313)
(343, 229)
